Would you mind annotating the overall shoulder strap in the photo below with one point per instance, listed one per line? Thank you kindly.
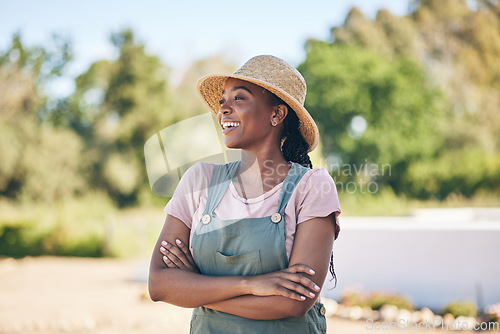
(293, 177)
(218, 186)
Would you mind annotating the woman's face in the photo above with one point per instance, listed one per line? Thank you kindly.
(245, 116)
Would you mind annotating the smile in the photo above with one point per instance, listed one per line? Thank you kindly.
(226, 125)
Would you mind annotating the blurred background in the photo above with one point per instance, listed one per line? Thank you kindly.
(406, 95)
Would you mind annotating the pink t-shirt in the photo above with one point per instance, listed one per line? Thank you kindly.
(314, 196)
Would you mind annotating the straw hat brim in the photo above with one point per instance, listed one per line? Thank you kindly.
(210, 89)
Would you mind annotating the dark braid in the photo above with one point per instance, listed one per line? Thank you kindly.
(294, 148)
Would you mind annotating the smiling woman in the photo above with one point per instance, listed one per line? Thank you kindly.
(247, 244)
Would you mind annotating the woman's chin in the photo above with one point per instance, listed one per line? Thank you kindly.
(231, 144)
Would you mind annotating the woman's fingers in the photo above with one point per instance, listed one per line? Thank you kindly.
(302, 280)
(299, 288)
(185, 251)
(176, 255)
(168, 258)
(298, 285)
(172, 253)
(168, 263)
(294, 273)
(287, 284)
(300, 268)
(282, 291)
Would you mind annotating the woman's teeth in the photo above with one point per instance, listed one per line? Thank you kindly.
(226, 125)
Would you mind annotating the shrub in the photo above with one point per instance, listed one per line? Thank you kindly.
(74, 227)
(461, 308)
(351, 297)
(375, 300)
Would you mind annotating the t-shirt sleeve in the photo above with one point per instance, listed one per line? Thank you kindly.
(186, 198)
(318, 197)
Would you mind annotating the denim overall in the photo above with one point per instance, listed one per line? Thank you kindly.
(249, 246)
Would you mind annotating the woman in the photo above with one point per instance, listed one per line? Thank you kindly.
(248, 244)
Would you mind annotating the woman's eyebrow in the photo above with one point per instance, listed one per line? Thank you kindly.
(238, 87)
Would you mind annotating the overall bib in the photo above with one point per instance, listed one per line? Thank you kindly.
(249, 246)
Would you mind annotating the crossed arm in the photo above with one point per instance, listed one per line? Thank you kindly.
(174, 278)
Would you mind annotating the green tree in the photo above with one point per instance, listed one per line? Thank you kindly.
(371, 109)
(39, 162)
(117, 105)
(185, 97)
(453, 45)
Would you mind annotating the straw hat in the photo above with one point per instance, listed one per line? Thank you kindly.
(276, 76)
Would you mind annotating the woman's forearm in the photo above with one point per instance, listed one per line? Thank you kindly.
(263, 307)
(188, 289)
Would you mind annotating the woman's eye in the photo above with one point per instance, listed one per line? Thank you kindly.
(238, 98)
(222, 101)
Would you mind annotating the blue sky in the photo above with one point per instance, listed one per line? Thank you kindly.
(182, 31)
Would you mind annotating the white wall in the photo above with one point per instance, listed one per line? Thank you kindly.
(433, 257)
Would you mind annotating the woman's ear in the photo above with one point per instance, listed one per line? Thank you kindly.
(279, 114)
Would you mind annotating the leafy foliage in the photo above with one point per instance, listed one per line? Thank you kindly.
(116, 107)
(375, 300)
(461, 308)
(398, 109)
(39, 162)
(419, 92)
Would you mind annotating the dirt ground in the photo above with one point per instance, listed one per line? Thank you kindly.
(79, 295)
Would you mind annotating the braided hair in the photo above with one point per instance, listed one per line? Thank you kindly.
(294, 148)
(293, 145)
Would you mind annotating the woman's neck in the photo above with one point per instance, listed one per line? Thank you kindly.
(258, 173)
(262, 163)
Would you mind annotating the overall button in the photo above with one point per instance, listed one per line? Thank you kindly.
(206, 219)
(322, 310)
(276, 217)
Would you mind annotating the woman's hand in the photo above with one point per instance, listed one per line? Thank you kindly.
(290, 282)
(178, 256)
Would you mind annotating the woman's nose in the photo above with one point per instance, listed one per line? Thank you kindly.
(225, 108)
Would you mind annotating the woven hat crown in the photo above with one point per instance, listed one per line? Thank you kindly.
(276, 72)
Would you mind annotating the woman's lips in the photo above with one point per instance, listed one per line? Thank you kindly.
(228, 126)
(227, 130)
